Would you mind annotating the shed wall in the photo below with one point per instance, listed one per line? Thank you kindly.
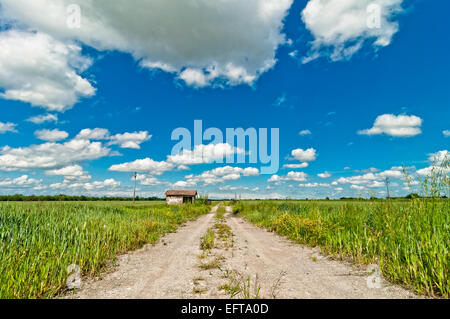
(174, 200)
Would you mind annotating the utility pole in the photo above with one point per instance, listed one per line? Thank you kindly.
(134, 191)
(387, 187)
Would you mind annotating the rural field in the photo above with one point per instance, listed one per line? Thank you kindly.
(300, 249)
(39, 240)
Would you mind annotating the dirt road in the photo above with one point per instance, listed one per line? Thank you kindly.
(246, 262)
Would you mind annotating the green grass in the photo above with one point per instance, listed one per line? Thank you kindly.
(220, 212)
(409, 239)
(39, 240)
(207, 240)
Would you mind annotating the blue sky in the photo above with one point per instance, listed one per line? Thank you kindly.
(367, 100)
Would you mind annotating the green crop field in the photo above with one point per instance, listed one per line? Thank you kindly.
(39, 240)
(409, 238)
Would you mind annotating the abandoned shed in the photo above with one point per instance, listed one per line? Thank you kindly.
(176, 197)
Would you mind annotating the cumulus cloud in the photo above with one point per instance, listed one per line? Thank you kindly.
(217, 175)
(91, 186)
(371, 179)
(51, 135)
(305, 132)
(324, 175)
(446, 133)
(357, 187)
(39, 119)
(125, 140)
(238, 188)
(146, 165)
(19, 182)
(130, 140)
(93, 134)
(397, 126)
(306, 156)
(200, 41)
(291, 176)
(42, 71)
(50, 155)
(295, 166)
(148, 180)
(70, 173)
(314, 185)
(203, 154)
(439, 164)
(7, 127)
(439, 157)
(341, 27)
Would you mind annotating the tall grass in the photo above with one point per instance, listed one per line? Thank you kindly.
(38, 241)
(409, 239)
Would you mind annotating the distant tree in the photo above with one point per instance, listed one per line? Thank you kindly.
(412, 196)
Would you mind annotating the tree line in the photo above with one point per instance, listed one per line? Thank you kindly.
(68, 198)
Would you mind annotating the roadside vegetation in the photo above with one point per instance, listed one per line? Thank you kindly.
(409, 239)
(40, 240)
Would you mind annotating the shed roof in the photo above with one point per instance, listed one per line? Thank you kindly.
(181, 193)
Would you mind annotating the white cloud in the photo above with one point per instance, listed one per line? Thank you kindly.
(130, 140)
(51, 135)
(291, 176)
(357, 187)
(50, 155)
(125, 140)
(93, 134)
(146, 165)
(92, 186)
(194, 77)
(70, 173)
(446, 133)
(295, 166)
(376, 184)
(238, 188)
(308, 155)
(314, 185)
(217, 175)
(148, 180)
(42, 71)
(7, 127)
(369, 170)
(22, 181)
(203, 154)
(371, 179)
(397, 126)
(39, 119)
(201, 41)
(250, 171)
(324, 175)
(305, 132)
(340, 27)
(439, 164)
(439, 157)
